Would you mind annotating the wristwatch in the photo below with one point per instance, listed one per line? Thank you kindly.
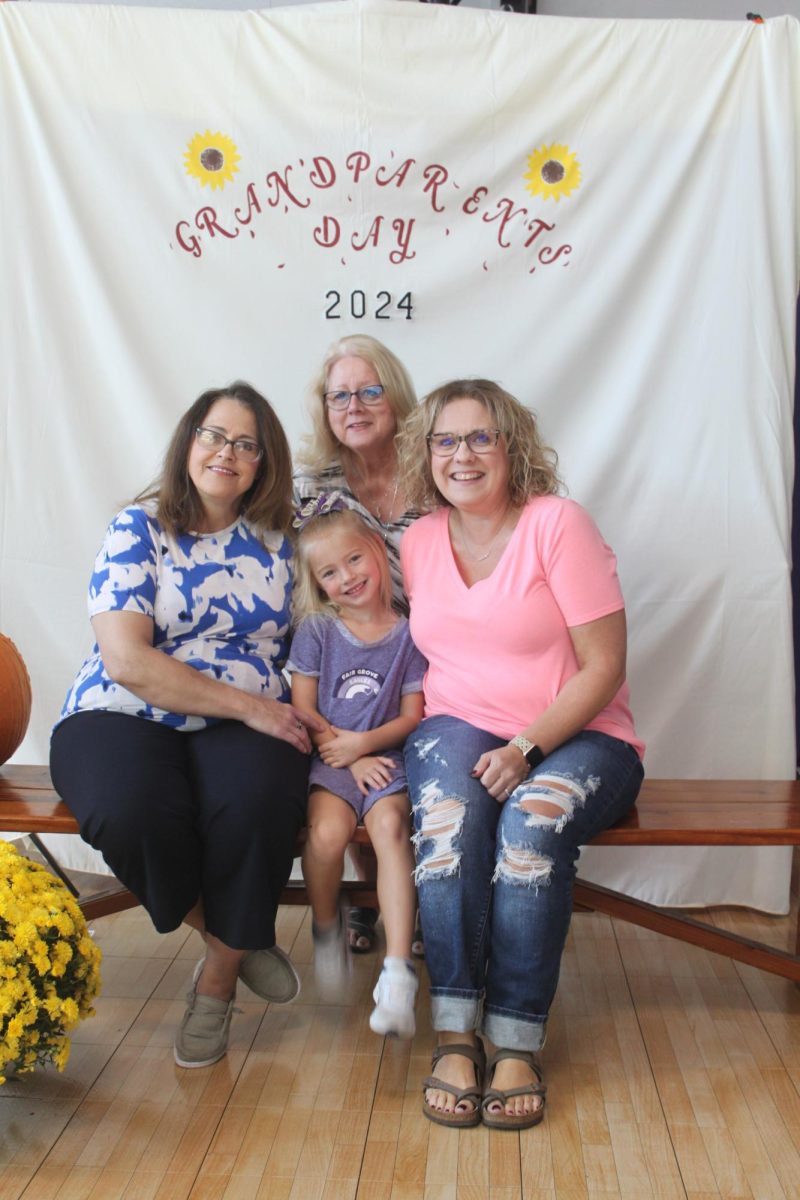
(533, 753)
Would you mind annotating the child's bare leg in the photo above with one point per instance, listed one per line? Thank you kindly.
(395, 993)
(331, 824)
(388, 823)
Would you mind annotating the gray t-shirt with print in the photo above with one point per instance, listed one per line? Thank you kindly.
(360, 687)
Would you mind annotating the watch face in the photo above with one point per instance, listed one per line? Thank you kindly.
(535, 756)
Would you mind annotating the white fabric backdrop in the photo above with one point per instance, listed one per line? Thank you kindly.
(644, 306)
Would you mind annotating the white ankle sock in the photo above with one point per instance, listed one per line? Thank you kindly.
(393, 964)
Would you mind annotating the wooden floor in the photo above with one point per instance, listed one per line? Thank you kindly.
(672, 1074)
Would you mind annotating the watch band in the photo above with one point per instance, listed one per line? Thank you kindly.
(533, 753)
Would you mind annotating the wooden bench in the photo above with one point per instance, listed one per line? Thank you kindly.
(669, 812)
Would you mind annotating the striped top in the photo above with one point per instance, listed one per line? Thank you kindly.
(332, 478)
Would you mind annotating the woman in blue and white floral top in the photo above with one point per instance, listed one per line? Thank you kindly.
(177, 748)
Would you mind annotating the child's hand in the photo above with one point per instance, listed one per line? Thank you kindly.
(343, 748)
(372, 771)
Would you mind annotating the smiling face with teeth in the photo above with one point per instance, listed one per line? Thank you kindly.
(363, 429)
(474, 482)
(220, 477)
(346, 569)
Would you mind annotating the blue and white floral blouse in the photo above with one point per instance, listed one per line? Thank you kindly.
(219, 602)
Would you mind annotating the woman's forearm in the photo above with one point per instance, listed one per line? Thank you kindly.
(600, 653)
(164, 682)
(600, 650)
(576, 705)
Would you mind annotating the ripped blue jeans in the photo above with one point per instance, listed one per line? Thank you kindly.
(495, 880)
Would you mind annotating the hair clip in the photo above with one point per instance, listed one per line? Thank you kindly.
(318, 506)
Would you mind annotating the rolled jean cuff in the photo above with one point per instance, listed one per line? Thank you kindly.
(455, 1014)
(511, 1033)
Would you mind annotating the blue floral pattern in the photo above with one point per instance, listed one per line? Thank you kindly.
(219, 602)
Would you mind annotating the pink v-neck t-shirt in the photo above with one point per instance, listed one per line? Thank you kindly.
(499, 652)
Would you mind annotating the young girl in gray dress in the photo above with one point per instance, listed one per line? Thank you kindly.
(353, 664)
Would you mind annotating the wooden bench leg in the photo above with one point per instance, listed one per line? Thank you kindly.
(686, 929)
(54, 864)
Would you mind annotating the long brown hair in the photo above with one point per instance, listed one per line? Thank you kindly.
(267, 504)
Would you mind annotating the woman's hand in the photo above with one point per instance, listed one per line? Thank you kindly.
(501, 770)
(126, 646)
(343, 748)
(283, 721)
(373, 771)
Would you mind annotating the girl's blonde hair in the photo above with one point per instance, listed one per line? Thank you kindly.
(320, 448)
(531, 464)
(309, 598)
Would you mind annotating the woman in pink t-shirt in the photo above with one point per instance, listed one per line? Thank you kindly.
(527, 750)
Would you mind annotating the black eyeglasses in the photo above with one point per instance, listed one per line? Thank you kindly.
(244, 448)
(480, 441)
(367, 395)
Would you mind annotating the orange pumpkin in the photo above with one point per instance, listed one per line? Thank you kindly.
(15, 698)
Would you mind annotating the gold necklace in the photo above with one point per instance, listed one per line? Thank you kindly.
(479, 558)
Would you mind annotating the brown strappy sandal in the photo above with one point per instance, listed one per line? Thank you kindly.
(501, 1120)
(472, 1116)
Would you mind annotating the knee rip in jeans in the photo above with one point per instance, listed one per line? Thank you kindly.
(442, 821)
(549, 801)
(523, 866)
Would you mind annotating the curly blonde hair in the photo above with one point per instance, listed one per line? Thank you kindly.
(308, 598)
(320, 448)
(531, 464)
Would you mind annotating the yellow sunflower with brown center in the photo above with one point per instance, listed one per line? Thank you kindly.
(553, 172)
(212, 158)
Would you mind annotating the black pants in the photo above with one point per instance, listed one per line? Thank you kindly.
(182, 817)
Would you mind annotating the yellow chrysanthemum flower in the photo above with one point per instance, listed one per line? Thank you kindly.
(25, 935)
(212, 158)
(64, 923)
(61, 1055)
(553, 172)
(49, 966)
(70, 1010)
(61, 952)
(16, 1027)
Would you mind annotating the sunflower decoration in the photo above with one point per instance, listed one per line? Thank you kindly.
(553, 172)
(212, 158)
